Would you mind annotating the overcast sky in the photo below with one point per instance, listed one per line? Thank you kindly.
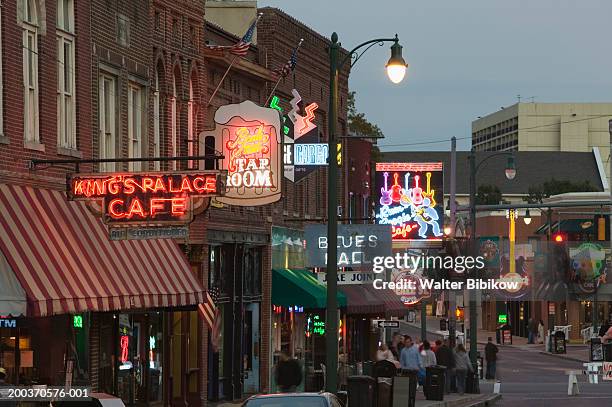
(467, 58)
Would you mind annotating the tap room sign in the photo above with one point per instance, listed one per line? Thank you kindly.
(146, 198)
(411, 200)
(249, 138)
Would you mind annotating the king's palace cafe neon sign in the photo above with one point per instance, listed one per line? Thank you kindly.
(146, 198)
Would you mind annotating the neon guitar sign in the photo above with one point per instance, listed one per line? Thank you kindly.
(409, 207)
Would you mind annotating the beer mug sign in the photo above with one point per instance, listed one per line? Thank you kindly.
(248, 136)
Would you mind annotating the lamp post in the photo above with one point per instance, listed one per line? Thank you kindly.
(510, 173)
(396, 69)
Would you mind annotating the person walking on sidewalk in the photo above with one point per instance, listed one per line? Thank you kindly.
(532, 330)
(462, 367)
(445, 357)
(410, 361)
(491, 358)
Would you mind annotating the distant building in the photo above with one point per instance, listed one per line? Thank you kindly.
(578, 127)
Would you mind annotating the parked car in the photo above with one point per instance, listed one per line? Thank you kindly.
(294, 400)
(96, 400)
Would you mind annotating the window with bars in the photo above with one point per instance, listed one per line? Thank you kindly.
(30, 71)
(135, 104)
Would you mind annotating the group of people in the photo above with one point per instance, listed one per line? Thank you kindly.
(535, 331)
(416, 357)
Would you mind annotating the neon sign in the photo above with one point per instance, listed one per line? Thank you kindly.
(411, 201)
(124, 345)
(146, 197)
(314, 325)
(248, 136)
(77, 321)
(310, 154)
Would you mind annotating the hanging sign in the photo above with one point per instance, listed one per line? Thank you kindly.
(146, 198)
(249, 137)
(411, 200)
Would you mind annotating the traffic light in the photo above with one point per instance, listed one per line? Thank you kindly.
(459, 314)
(559, 237)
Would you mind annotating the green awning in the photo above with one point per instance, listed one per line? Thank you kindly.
(300, 287)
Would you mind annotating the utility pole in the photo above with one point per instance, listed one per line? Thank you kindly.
(452, 299)
(472, 293)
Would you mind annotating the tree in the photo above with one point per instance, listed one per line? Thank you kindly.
(358, 123)
(488, 195)
(537, 193)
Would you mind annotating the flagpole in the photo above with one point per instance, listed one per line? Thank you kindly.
(282, 76)
(222, 79)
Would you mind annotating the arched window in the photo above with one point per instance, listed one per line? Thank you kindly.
(156, 121)
(174, 120)
(191, 124)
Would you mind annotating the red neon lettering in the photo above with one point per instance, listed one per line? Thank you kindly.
(78, 187)
(309, 115)
(186, 185)
(204, 184)
(99, 187)
(113, 186)
(157, 205)
(129, 186)
(113, 212)
(136, 208)
(171, 188)
(179, 206)
(147, 183)
(159, 185)
(402, 231)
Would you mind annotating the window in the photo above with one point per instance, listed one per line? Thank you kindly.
(191, 124)
(174, 119)
(30, 72)
(107, 120)
(123, 30)
(156, 122)
(135, 126)
(66, 112)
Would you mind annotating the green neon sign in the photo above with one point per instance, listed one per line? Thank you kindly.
(502, 319)
(77, 321)
(274, 104)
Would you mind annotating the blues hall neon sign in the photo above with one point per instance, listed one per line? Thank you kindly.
(411, 200)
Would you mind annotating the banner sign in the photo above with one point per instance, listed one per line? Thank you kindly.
(249, 138)
(349, 277)
(357, 244)
(588, 265)
(146, 198)
(411, 200)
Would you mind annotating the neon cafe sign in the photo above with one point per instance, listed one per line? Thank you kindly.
(146, 198)
(411, 200)
(248, 136)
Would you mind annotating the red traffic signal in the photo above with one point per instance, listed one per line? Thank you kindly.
(559, 237)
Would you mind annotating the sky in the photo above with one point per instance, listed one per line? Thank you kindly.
(467, 58)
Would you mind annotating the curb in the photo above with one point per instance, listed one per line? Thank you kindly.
(476, 400)
(489, 401)
(554, 355)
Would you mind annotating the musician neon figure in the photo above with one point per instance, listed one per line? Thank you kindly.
(426, 215)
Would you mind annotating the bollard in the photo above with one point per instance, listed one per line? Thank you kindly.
(497, 387)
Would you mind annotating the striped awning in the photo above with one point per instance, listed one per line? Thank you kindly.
(365, 299)
(62, 257)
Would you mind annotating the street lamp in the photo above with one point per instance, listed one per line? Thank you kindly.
(510, 173)
(396, 69)
(527, 218)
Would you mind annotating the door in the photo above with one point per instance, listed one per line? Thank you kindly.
(250, 356)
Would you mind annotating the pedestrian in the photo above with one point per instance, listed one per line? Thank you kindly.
(532, 330)
(541, 332)
(607, 337)
(288, 373)
(410, 362)
(428, 357)
(462, 367)
(491, 358)
(445, 357)
(394, 348)
(384, 353)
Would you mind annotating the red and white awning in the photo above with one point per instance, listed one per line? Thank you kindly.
(62, 257)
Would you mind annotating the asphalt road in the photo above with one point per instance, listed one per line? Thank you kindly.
(530, 379)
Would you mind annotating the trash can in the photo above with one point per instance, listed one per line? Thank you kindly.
(343, 397)
(503, 334)
(559, 342)
(443, 324)
(596, 353)
(404, 388)
(434, 382)
(607, 352)
(361, 391)
(384, 368)
(384, 371)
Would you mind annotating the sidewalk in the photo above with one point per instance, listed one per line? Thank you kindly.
(575, 352)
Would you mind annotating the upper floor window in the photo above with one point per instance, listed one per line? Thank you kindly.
(107, 120)
(191, 124)
(135, 125)
(66, 101)
(156, 122)
(30, 71)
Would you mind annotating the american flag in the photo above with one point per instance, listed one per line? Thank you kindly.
(208, 309)
(291, 63)
(241, 47)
